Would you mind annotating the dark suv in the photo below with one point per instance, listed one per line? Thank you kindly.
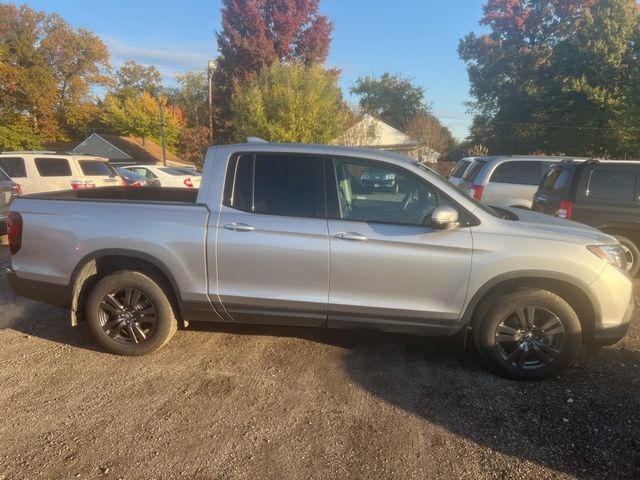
(601, 193)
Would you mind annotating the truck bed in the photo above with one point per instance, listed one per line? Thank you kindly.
(134, 194)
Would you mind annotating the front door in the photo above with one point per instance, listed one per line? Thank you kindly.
(389, 270)
(272, 240)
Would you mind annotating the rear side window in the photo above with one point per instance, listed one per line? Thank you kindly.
(471, 172)
(612, 184)
(53, 167)
(287, 185)
(557, 181)
(13, 166)
(459, 169)
(95, 169)
(522, 173)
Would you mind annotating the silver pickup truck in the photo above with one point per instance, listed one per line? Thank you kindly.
(290, 235)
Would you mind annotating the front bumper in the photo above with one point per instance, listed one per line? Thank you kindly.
(40, 291)
(614, 291)
(609, 335)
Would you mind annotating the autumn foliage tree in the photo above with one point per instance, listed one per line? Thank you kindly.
(556, 76)
(258, 33)
(47, 72)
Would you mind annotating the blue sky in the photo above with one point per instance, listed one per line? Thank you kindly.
(414, 38)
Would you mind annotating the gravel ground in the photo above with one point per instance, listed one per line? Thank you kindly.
(249, 402)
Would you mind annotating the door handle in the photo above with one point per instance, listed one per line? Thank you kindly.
(239, 227)
(350, 236)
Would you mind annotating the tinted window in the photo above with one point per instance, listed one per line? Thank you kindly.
(523, 173)
(459, 169)
(13, 166)
(612, 184)
(3, 176)
(53, 167)
(287, 185)
(381, 193)
(95, 169)
(557, 181)
(471, 172)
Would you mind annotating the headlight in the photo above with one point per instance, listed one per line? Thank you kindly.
(614, 254)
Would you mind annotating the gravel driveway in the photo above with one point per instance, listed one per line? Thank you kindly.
(249, 402)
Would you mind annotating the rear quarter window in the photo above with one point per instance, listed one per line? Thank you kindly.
(91, 168)
(53, 167)
(521, 173)
(14, 167)
(611, 184)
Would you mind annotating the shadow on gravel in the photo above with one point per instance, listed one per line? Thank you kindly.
(583, 423)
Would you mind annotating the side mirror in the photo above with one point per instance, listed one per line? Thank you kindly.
(444, 218)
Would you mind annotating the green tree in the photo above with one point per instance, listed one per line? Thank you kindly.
(139, 116)
(553, 75)
(290, 103)
(392, 98)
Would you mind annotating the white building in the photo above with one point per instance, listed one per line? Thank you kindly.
(373, 133)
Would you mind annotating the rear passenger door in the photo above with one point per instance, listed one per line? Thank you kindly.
(513, 183)
(607, 196)
(272, 240)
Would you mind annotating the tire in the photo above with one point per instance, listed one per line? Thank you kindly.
(145, 321)
(633, 255)
(526, 353)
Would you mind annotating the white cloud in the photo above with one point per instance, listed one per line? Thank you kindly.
(169, 59)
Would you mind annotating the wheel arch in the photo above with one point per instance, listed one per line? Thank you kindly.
(574, 291)
(101, 263)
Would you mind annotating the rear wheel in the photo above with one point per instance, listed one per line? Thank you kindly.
(632, 255)
(129, 313)
(529, 335)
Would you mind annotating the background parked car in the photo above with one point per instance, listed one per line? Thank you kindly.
(168, 176)
(603, 194)
(459, 168)
(37, 172)
(8, 191)
(132, 179)
(506, 181)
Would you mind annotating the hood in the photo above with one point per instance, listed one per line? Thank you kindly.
(540, 224)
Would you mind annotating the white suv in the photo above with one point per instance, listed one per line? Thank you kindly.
(37, 172)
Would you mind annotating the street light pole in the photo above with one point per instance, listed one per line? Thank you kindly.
(211, 67)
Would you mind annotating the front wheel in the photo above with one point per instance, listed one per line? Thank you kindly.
(129, 313)
(529, 335)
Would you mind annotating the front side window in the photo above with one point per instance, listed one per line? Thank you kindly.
(612, 185)
(53, 167)
(523, 173)
(276, 184)
(14, 167)
(372, 192)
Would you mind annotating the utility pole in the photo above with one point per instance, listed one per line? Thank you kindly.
(164, 146)
(211, 67)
